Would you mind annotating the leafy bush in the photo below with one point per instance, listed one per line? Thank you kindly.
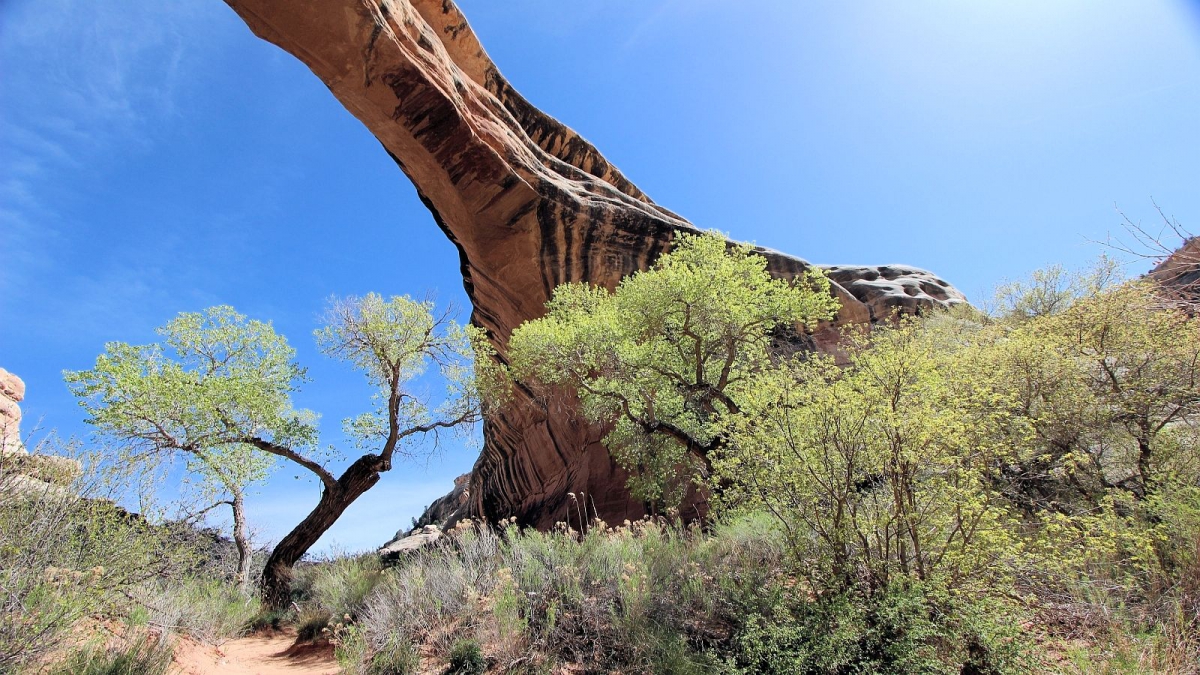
(907, 628)
(466, 658)
(880, 469)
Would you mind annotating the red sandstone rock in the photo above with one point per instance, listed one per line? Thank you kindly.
(530, 204)
(1179, 273)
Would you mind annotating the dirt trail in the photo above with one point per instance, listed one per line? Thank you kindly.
(261, 655)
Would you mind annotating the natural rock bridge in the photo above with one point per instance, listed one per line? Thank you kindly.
(530, 204)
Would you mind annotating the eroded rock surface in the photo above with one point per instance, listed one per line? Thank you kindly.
(887, 289)
(12, 392)
(22, 473)
(406, 543)
(529, 203)
(1179, 273)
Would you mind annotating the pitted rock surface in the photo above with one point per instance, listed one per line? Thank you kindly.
(529, 204)
(886, 289)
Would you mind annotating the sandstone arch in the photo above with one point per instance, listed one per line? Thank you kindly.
(529, 204)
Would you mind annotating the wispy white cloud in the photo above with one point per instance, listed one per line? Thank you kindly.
(666, 9)
(80, 79)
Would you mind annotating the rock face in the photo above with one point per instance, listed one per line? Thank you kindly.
(12, 392)
(407, 543)
(529, 204)
(448, 508)
(21, 472)
(1179, 273)
(886, 289)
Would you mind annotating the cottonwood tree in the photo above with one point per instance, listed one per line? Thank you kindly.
(878, 469)
(1102, 367)
(669, 352)
(1108, 388)
(1052, 290)
(228, 384)
(225, 475)
(1139, 358)
(177, 397)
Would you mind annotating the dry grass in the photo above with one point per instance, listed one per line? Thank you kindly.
(642, 597)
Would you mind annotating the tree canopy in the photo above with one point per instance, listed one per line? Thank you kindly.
(669, 352)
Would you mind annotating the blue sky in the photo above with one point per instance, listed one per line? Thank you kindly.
(155, 157)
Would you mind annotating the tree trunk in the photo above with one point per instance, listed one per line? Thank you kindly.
(277, 575)
(241, 540)
(1143, 460)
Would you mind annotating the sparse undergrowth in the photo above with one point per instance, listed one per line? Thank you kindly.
(648, 597)
(71, 559)
(141, 653)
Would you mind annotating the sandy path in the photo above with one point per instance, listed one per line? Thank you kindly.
(265, 655)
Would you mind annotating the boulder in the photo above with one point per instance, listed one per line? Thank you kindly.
(529, 204)
(409, 542)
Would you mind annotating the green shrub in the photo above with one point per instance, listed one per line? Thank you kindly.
(339, 586)
(209, 610)
(312, 624)
(400, 661)
(69, 552)
(351, 650)
(141, 655)
(906, 628)
(466, 658)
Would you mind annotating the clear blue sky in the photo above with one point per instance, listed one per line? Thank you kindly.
(155, 157)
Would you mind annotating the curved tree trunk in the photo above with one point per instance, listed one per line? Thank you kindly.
(277, 575)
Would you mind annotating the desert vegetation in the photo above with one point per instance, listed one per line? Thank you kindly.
(218, 392)
(1008, 491)
(92, 587)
